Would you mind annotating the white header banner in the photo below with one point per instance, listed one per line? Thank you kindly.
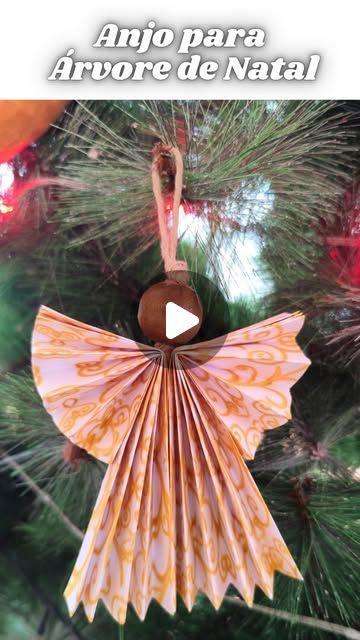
(268, 49)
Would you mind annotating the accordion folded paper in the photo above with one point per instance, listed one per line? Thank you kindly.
(178, 510)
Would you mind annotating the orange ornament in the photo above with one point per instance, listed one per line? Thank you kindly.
(23, 121)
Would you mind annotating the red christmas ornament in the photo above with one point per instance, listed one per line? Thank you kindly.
(344, 248)
(7, 188)
(25, 213)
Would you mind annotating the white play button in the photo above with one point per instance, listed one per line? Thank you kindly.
(178, 320)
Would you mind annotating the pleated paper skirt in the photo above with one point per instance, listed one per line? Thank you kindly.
(178, 511)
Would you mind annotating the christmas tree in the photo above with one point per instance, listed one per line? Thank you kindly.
(270, 213)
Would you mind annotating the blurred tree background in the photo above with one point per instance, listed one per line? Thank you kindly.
(271, 213)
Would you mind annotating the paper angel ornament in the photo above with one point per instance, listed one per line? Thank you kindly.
(178, 510)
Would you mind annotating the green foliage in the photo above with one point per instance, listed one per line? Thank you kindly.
(271, 167)
(28, 433)
(319, 516)
(17, 303)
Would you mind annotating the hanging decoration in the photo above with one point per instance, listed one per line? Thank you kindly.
(21, 214)
(13, 175)
(22, 122)
(178, 510)
(25, 199)
(344, 247)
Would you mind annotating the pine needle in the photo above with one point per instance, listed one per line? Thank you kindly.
(277, 168)
(320, 625)
(42, 495)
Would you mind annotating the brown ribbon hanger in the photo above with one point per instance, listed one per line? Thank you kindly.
(168, 228)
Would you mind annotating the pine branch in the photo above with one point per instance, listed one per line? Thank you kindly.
(43, 622)
(315, 623)
(279, 168)
(43, 496)
(49, 605)
(318, 510)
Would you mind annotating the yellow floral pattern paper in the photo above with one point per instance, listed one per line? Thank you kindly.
(178, 510)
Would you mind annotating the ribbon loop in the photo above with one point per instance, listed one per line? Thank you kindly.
(168, 228)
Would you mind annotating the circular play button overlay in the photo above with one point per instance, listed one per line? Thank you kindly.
(170, 311)
(179, 321)
(184, 308)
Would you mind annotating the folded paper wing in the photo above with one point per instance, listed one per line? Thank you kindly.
(92, 382)
(247, 382)
(178, 510)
